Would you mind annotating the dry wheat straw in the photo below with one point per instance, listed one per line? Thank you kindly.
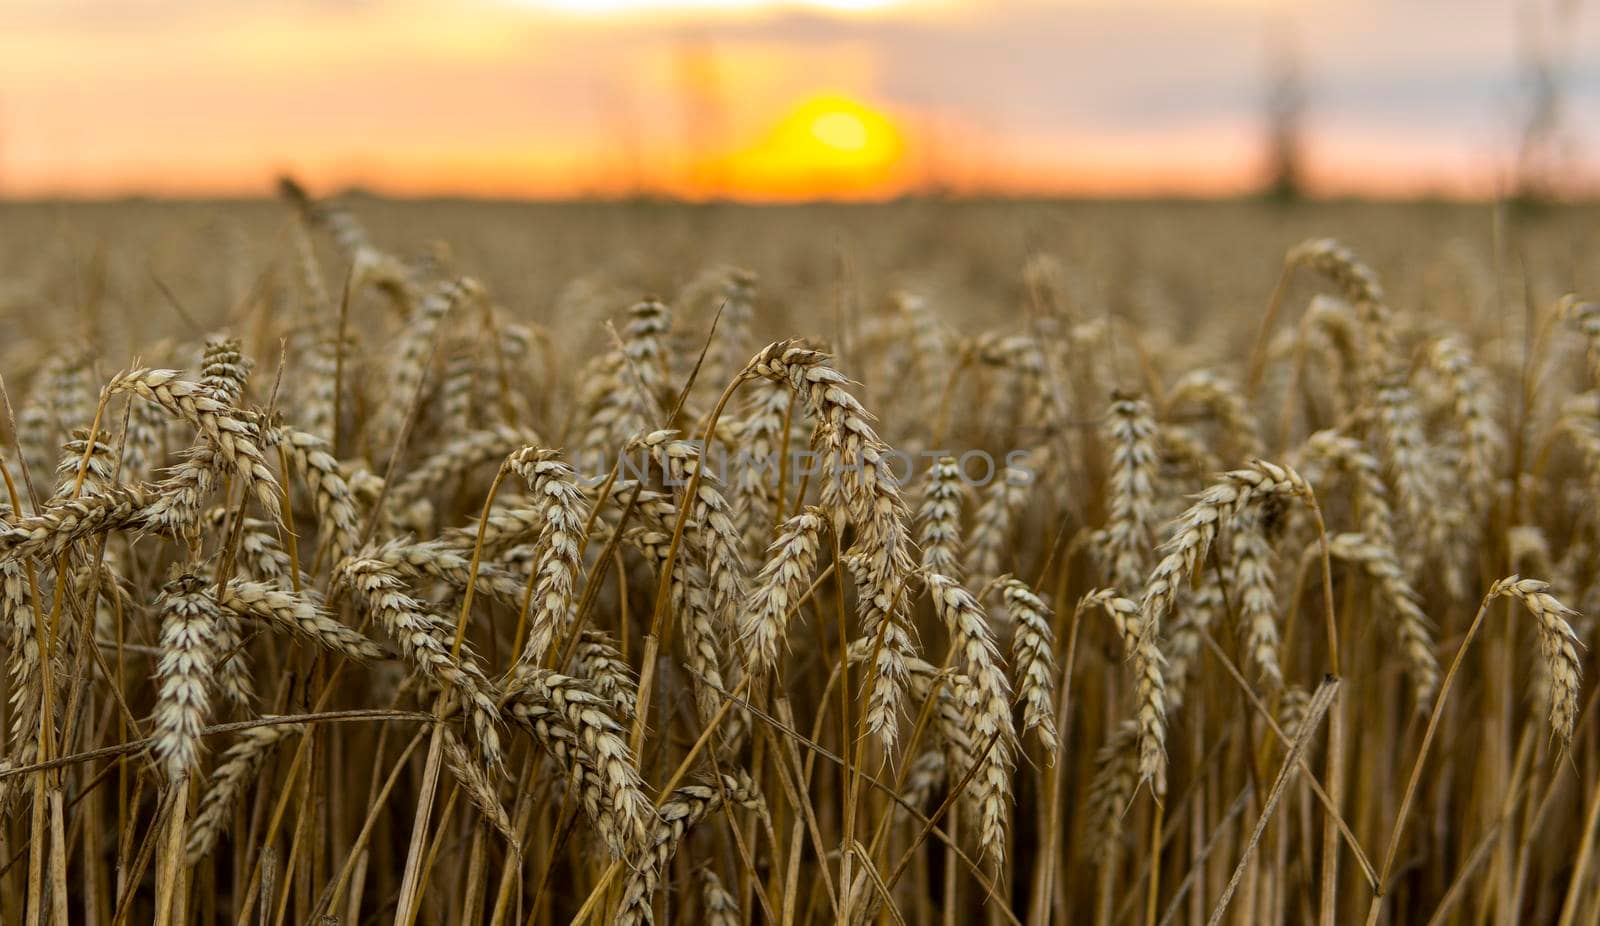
(1223, 402)
(453, 460)
(1410, 624)
(1416, 490)
(1292, 711)
(605, 410)
(479, 790)
(730, 291)
(458, 392)
(926, 776)
(1586, 316)
(369, 265)
(23, 654)
(645, 350)
(441, 561)
(1473, 407)
(332, 498)
(142, 445)
(1196, 528)
(930, 354)
(711, 529)
(233, 672)
(1357, 281)
(1370, 496)
(1116, 781)
(225, 370)
(1141, 641)
(598, 661)
(954, 698)
(755, 477)
(1255, 580)
(514, 521)
(992, 524)
(411, 356)
(176, 505)
(99, 474)
(309, 269)
(68, 521)
(319, 396)
(703, 634)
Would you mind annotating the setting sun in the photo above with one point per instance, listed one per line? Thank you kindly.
(841, 131)
(828, 145)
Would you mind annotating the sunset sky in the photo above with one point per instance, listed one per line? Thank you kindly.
(770, 100)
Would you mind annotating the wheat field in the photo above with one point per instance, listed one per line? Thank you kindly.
(925, 562)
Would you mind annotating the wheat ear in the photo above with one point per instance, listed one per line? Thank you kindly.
(1033, 661)
(1558, 645)
(232, 436)
(939, 518)
(881, 557)
(238, 767)
(686, 807)
(569, 720)
(975, 654)
(790, 564)
(188, 657)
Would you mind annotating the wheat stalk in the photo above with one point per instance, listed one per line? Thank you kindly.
(225, 370)
(1411, 625)
(939, 518)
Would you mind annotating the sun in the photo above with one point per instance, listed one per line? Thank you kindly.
(842, 131)
(827, 146)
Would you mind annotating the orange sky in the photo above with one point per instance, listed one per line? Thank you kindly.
(753, 98)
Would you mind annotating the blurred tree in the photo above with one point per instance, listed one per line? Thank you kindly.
(1545, 32)
(1285, 116)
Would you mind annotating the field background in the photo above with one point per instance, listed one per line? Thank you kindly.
(1043, 326)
